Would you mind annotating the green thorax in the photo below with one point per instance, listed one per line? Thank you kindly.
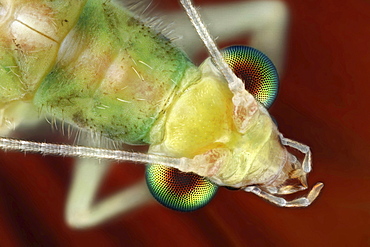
(114, 75)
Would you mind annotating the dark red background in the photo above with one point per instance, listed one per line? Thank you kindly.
(323, 102)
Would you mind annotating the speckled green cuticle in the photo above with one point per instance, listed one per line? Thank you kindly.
(114, 75)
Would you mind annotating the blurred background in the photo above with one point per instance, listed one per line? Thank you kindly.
(323, 102)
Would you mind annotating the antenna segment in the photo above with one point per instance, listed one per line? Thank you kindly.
(235, 84)
(90, 152)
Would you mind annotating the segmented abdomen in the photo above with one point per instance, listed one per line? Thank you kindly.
(110, 73)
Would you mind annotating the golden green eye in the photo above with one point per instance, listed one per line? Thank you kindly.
(178, 190)
(256, 70)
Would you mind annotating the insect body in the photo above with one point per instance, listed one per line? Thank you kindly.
(101, 69)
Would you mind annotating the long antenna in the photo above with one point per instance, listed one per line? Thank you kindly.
(235, 84)
(90, 152)
(245, 104)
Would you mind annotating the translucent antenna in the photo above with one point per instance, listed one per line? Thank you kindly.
(89, 152)
(235, 84)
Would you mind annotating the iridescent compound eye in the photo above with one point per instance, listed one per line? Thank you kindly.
(256, 70)
(178, 190)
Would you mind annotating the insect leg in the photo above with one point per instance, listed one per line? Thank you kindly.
(17, 114)
(279, 201)
(307, 161)
(82, 211)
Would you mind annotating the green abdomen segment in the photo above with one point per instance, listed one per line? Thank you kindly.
(113, 76)
(30, 35)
